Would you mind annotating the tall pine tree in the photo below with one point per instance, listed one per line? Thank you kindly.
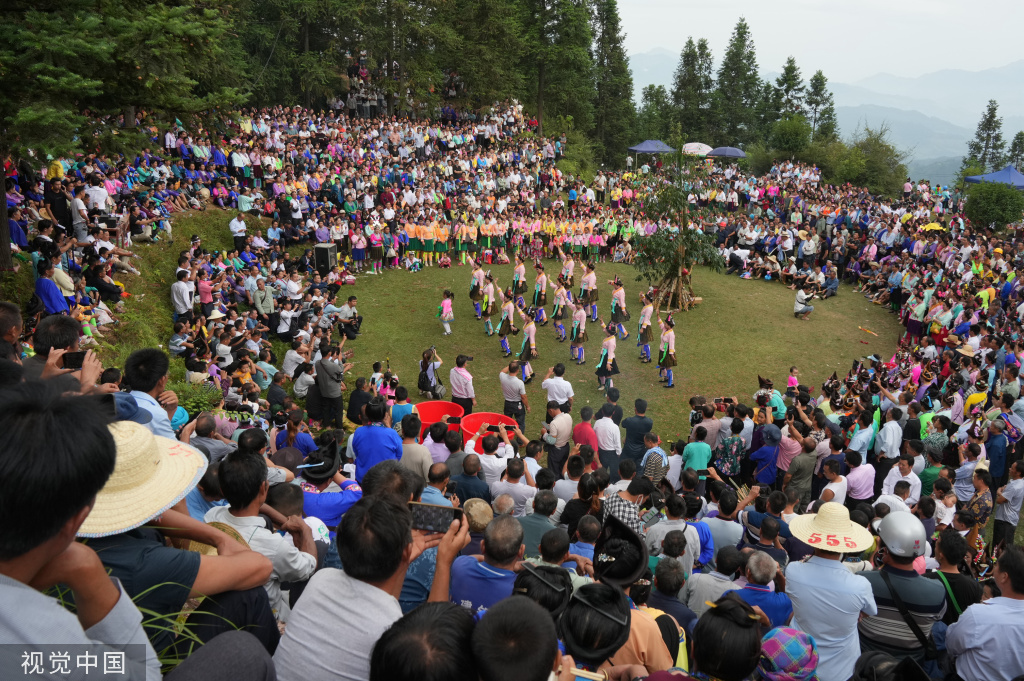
(654, 120)
(818, 98)
(559, 64)
(791, 85)
(693, 90)
(613, 106)
(739, 88)
(489, 48)
(1015, 156)
(986, 149)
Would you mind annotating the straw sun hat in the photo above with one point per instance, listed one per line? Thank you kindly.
(151, 474)
(831, 529)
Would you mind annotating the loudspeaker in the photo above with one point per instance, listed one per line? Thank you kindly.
(325, 256)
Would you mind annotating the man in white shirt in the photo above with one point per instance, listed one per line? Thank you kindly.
(238, 227)
(243, 480)
(182, 295)
(903, 470)
(556, 436)
(609, 441)
(800, 308)
(897, 501)
(492, 452)
(518, 484)
(558, 389)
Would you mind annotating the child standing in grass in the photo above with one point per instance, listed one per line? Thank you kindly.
(792, 383)
(445, 312)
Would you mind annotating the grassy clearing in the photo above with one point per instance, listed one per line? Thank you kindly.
(742, 328)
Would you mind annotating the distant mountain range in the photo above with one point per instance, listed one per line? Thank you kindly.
(932, 117)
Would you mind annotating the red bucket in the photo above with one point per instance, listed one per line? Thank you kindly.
(472, 423)
(431, 412)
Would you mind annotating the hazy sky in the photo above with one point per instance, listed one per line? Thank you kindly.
(847, 40)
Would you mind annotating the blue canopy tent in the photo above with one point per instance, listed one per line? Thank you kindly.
(1007, 175)
(651, 147)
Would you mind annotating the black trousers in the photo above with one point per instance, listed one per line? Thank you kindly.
(882, 468)
(240, 243)
(465, 402)
(517, 411)
(556, 458)
(1003, 531)
(610, 460)
(332, 411)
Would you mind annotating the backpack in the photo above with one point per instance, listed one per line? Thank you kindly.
(436, 389)
(1012, 432)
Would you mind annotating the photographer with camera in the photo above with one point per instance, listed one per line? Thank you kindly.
(428, 382)
(461, 382)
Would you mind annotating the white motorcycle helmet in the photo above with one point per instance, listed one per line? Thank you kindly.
(902, 534)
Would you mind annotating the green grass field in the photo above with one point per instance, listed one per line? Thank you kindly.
(741, 329)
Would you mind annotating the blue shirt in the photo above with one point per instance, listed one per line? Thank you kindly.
(373, 444)
(198, 505)
(329, 507)
(776, 605)
(827, 602)
(432, 495)
(767, 458)
(477, 586)
(579, 549)
(303, 442)
(161, 424)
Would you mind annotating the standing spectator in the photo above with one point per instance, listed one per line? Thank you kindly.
(828, 599)
(558, 389)
(375, 442)
(514, 391)
(901, 539)
(1008, 502)
(461, 382)
(556, 436)
(988, 639)
(583, 432)
(238, 227)
(636, 427)
(609, 441)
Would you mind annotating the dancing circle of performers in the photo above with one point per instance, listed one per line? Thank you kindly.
(519, 310)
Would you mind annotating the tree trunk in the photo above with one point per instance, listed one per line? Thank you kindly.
(129, 116)
(540, 99)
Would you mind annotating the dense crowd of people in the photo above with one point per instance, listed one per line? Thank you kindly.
(835, 533)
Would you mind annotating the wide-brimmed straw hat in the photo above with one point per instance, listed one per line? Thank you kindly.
(151, 474)
(831, 529)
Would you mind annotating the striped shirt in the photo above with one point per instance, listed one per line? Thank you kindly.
(888, 632)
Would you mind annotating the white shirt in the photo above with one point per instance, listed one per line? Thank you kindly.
(237, 227)
(893, 502)
(290, 564)
(608, 437)
(559, 390)
(895, 476)
(493, 465)
(838, 489)
(889, 439)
